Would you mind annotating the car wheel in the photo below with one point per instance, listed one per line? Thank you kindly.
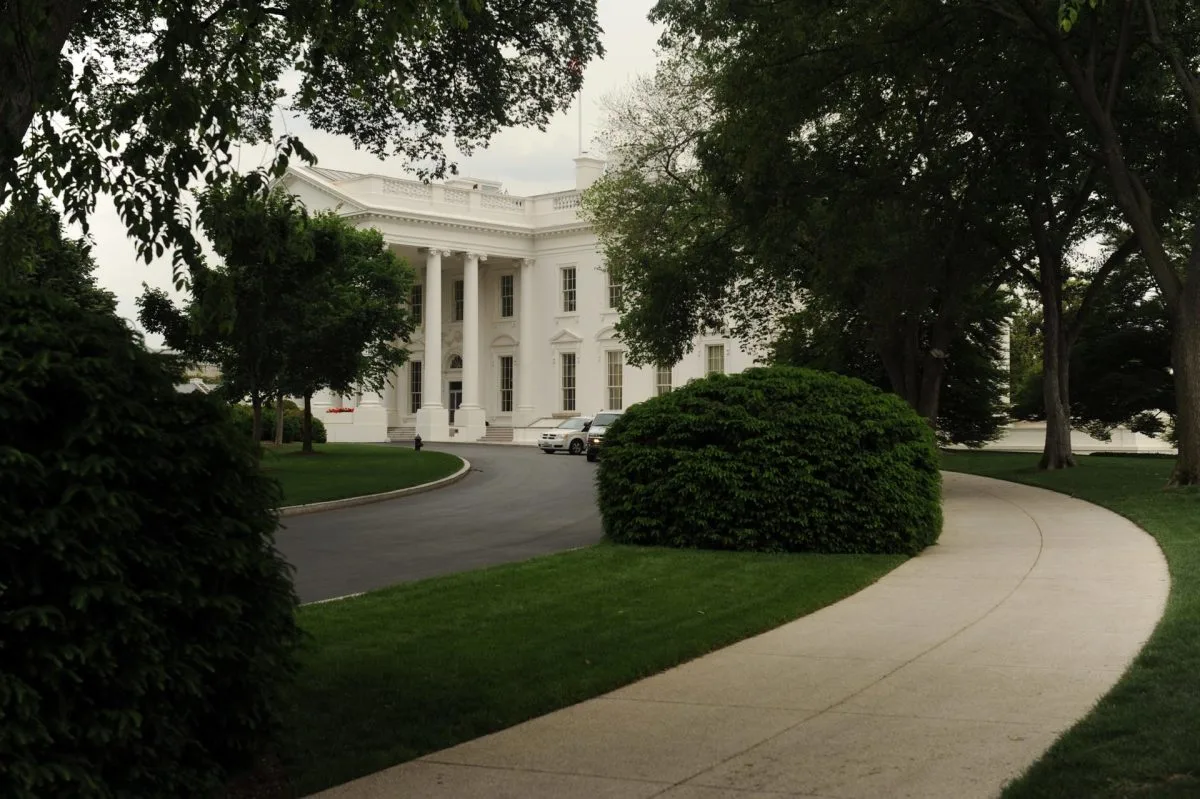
(591, 456)
(576, 447)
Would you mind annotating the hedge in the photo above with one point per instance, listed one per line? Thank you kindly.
(146, 620)
(778, 459)
(293, 420)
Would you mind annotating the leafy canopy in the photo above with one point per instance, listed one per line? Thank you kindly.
(140, 98)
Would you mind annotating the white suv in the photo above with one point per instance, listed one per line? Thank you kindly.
(570, 436)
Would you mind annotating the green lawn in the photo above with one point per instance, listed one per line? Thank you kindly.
(1143, 739)
(336, 471)
(408, 670)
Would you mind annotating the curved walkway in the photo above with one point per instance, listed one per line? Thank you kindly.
(947, 678)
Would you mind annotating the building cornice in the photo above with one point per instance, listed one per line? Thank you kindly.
(457, 223)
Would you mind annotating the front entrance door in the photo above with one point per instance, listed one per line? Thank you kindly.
(455, 397)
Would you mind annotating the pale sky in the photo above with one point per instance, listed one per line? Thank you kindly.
(528, 161)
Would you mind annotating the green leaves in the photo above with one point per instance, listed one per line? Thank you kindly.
(146, 621)
(1068, 12)
(777, 459)
(142, 99)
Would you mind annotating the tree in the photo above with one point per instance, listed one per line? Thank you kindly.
(1061, 208)
(347, 315)
(1121, 367)
(1105, 54)
(781, 171)
(35, 249)
(147, 619)
(972, 410)
(668, 239)
(139, 99)
(237, 317)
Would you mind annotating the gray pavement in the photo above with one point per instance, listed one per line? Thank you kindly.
(946, 678)
(516, 503)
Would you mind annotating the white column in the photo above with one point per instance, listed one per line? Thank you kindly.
(470, 417)
(526, 412)
(432, 329)
(433, 420)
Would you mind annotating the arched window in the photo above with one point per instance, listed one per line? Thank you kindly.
(455, 361)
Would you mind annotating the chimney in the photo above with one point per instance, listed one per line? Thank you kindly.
(587, 171)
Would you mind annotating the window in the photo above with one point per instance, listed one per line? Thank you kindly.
(616, 374)
(460, 300)
(417, 303)
(506, 383)
(415, 384)
(506, 296)
(568, 289)
(714, 359)
(614, 293)
(568, 381)
(455, 362)
(662, 380)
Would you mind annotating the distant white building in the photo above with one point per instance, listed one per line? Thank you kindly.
(516, 312)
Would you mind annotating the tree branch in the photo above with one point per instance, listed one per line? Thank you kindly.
(1187, 81)
(1122, 54)
(1115, 259)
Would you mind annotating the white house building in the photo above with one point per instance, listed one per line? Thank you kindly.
(516, 312)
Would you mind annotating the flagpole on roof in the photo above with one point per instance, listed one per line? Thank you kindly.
(577, 69)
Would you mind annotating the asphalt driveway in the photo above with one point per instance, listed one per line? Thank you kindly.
(515, 503)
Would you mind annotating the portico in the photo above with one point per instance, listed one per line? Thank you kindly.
(515, 312)
(457, 361)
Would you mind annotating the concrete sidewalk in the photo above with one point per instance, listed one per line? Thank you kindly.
(947, 678)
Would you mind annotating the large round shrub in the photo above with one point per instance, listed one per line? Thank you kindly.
(146, 620)
(778, 459)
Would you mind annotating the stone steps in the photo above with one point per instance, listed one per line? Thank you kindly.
(395, 434)
(498, 435)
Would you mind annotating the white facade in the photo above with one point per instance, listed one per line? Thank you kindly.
(517, 318)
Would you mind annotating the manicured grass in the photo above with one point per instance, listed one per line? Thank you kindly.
(336, 471)
(1143, 739)
(408, 670)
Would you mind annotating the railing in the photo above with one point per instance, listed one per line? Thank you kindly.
(407, 188)
(566, 202)
(408, 192)
(502, 202)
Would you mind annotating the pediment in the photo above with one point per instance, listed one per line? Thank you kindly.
(317, 193)
(565, 336)
(504, 341)
(606, 333)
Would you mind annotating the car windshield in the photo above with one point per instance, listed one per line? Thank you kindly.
(605, 419)
(572, 424)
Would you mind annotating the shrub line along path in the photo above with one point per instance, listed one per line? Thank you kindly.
(946, 678)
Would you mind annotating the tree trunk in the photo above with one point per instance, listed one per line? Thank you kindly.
(37, 32)
(306, 425)
(916, 380)
(256, 401)
(279, 419)
(1056, 452)
(1185, 360)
